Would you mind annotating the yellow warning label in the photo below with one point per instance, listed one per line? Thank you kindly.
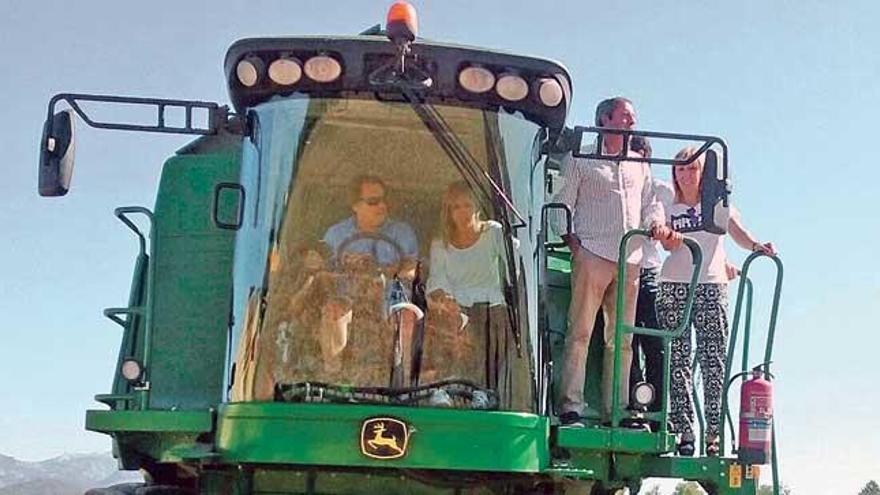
(736, 476)
(753, 472)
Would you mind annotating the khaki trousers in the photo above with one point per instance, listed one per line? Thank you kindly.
(594, 285)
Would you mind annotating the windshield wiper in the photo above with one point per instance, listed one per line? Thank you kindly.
(470, 169)
(508, 265)
(467, 165)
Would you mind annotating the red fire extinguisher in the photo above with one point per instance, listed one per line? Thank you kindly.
(755, 419)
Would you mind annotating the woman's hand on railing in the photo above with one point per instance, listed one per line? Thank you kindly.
(766, 248)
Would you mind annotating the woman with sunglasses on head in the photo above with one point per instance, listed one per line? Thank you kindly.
(709, 316)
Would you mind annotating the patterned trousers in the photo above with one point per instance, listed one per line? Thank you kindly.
(709, 318)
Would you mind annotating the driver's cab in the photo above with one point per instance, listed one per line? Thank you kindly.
(352, 282)
(340, 253)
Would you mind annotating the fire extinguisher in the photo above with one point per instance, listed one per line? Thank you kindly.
(755, 418)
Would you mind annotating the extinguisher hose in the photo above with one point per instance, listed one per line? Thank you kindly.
(754, 369)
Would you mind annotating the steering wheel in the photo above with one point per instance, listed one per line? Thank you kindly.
(375, 237)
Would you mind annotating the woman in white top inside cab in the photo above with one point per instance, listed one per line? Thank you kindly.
(709, 316)
(466, 293)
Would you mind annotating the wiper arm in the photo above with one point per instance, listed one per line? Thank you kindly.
(470, 169)
(462, 158)
(508, 264)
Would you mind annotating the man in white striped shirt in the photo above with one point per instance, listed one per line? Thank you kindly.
(607, 199)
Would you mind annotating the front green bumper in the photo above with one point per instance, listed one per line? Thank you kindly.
(330, 435)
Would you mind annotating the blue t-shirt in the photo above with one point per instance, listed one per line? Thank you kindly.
(383, 252)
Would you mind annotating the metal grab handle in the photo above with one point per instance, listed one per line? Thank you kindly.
(568, 223)
(113, 314)
(696, 260)
(707, 142)
(620, 328)
(122, 214)
(745, 289)
(215, 213)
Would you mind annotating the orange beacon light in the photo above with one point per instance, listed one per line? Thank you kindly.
(402, 24)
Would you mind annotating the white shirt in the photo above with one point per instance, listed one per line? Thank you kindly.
(473, 274)
(651, 254)
(678, 267)
(607, 199)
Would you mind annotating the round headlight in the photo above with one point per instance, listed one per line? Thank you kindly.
(248, 71)
(323, 69)
(476, 79)
(132, 370)
(643, 394)
(550, 92)
(285, 71)
(512, 87)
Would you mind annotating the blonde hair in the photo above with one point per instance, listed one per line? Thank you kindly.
(453, 192)
(686, 154)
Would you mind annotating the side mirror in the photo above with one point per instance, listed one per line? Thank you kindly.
(57, 148)
(715, 193)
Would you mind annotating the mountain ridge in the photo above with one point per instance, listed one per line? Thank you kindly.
(65, 474)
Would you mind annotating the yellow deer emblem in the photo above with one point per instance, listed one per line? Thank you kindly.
(384, 438)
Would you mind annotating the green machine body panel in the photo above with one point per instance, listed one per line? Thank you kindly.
(193, 271)
(329, 434)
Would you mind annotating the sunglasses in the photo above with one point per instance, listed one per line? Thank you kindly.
(374, 201)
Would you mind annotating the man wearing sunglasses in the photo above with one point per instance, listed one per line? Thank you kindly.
(361, 244)
(369, 230)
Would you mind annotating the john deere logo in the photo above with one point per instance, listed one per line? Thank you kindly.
(384, 438)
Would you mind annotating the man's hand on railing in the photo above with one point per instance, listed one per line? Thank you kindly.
(573, 242)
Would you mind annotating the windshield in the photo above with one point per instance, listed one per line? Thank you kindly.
(372, 269)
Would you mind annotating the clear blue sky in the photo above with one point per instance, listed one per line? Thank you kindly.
(791, 85)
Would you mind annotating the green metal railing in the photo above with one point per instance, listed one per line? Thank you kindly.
(745, 293)
(135, 310)
(695, 399)
(621, 328)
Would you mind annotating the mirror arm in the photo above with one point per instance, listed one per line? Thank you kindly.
(218, 116)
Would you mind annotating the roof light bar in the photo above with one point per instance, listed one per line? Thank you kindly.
(512, 87)
(476, 79)
(249, 71)
(550, 92)
(323, 69)
(285, 71)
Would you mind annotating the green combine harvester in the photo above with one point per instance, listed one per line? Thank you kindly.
(265, 351)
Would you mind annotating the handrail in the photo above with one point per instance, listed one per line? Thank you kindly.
(122, 212)
(112, 399)
(620, 328)
(695, 397)
(745, 288)
(113, 314)
(144, 310)
(747, 331)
